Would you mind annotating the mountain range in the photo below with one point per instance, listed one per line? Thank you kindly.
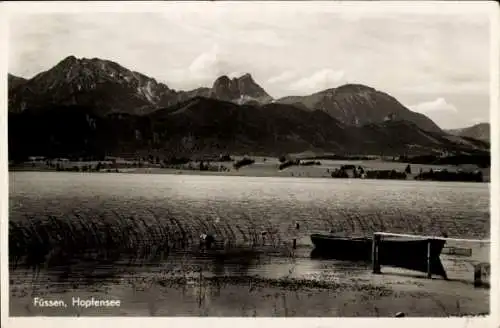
(111, 88)
(480, 131)
(94, 106)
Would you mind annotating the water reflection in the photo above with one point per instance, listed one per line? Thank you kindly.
(192, 268)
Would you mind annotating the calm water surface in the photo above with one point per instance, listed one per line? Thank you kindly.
(356, 206)
(236, 208)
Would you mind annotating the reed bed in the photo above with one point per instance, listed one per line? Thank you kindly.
(112, 235)
(55, 240)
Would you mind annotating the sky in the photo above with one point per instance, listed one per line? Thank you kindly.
(434, 63)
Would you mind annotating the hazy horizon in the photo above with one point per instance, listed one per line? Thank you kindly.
(436, 64)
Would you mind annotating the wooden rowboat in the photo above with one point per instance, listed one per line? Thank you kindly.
(409, 254)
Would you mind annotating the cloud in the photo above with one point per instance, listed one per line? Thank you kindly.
(206, 64)
(320, 80)
(440, 104)
(479, 119)
(264, 37)
(474, 86)
(206, 67)
(283, 77)
(293, 49)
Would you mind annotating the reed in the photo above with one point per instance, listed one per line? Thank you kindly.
(116, 235)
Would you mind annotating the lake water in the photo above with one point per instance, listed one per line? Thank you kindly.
(357, 206)
(239, 209)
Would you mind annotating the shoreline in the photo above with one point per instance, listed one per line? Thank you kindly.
(149, 294)
(243, 172)
(259, 166)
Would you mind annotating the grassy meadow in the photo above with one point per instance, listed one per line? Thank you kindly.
(261, 167)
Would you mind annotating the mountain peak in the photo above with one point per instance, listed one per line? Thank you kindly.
(240, 89)
(14, 81)
(93, 81)
(73, 59)
(12, 76)
(223, 79)
(246, 80)
(68, 60)
(94, 63)
(358, 104)
(354, 87)
(246, 76)
(479, 131)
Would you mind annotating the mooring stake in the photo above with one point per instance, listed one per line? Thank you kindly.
(429, 259)
(375, 253)
(477, 275)
(297, 227)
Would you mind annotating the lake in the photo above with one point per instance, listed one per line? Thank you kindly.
(358, 206)
(237, 210)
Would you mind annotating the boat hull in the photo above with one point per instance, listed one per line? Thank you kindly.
(403, 253)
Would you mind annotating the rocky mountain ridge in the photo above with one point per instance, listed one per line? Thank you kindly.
(92, 107)
(111, 88)
(480, 131)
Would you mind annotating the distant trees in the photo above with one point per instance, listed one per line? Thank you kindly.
(483, 160)
(339, 173)
(309, 163)
(361, 170)
(386, 174)
(176, 161)
(225, 158)
(445, 175)
(285, 164)
(243, 162)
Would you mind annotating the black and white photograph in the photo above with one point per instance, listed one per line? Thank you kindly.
(250, 159)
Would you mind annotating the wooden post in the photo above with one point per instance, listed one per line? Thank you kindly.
(200, 288)
(375, 253)
(429, 259)
(297, 227)
(477, 275)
